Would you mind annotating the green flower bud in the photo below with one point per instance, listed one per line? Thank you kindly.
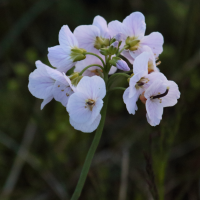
(77, 54)
(132, 43)
(101, 42)
(104, 51)
(76, 80)
(114, 61)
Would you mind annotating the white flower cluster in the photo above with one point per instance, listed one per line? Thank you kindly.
(97, 51)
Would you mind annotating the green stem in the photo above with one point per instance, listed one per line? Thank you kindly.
(91, 152)
(114, 75)
(89, 67)
(97, 57)
(116, 88)
(125, 46)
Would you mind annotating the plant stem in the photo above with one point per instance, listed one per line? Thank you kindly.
(89, 67)
(114, 75)
(97, 57)
(116, 88)
(91, 152)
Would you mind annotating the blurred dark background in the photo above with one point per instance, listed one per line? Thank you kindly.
(41, 155)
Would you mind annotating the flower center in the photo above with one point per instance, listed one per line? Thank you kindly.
(101, 42)
(141, 82)
(90, 104)
(132, 43)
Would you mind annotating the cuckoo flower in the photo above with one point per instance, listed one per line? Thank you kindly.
(85, 104)
(65, 55)
(140, 81)
(47, 83)
(159, 95)
(133, 27)
(93, 37)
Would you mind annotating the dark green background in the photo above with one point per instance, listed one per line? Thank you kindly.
(56, 151)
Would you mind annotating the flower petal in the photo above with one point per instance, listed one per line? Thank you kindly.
(77, 108)
(141, 63)
(93, 87)
(173, 94)
(155, 41)
(130, 102)
(155, 111)
(135, 23)
(46, 101)
(101, 23)
(67, 39)
(62, 92)
(84, 127)
(60, 59)
(86, 36)
(40, 83)
(115, 27)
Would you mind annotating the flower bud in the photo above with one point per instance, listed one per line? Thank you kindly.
(77, 54)
(75, 78)
(122, 65)
(111, 50)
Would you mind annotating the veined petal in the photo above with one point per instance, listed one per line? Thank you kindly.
(154, 111)
(116, 27)
(60, 59)
(155, 41)
(67, 39)
(62, 92)
(126, 54)
(141, 63)
(84, 127)
(155, 88)
(101, 23)
(130, 102)
(93, 87)
(86, 36)
(135, 23)
(173, 94)
(40, 83)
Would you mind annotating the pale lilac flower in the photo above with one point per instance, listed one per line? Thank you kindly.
(90, 60)
(133, 27)
(93, 37)
(159, 95)
(64, 56)
(140, 81)
(47, 83)
(122, 65)
(85, 104)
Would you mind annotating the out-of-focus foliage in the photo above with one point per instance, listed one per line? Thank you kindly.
(164, 160)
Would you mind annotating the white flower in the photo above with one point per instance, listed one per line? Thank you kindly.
(160, 94)
(65, 55)
(47, 83)
(94, 70)
(140, 81)
(133, 27)
(93, 37)
(85, 104)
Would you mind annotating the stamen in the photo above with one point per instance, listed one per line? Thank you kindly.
(160, 95)
(90, 103)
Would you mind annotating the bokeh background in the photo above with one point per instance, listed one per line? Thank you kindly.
(41, 155)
